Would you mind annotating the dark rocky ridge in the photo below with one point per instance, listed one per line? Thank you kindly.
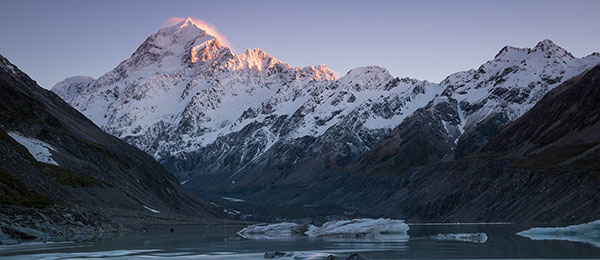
(543, 167)
(101, 183)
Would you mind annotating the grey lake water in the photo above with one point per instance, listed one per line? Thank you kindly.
(222, 242)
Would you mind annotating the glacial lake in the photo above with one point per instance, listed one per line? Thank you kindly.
(222, 242)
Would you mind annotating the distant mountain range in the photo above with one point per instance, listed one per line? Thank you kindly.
(251, 126)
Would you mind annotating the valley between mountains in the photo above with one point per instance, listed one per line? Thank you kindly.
(302, 142)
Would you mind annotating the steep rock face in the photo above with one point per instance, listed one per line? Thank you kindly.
(475, 104)
(201, 110)
(541, 167)
(562, 131)
(56, 165)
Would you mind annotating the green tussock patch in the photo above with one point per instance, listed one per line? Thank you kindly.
(14, 192)
(124, 166)
(562, 158)
(72, 179)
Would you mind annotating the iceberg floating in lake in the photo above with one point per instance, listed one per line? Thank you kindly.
(359, 227)
(269, 231)
(345, 228)
(586, 233)
(466, 237)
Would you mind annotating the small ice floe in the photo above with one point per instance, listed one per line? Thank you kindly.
(373, 228)
(465, 237)
(309, 255)
(38, 149)
(151, 209)
(585, 233)
(270, 231)
(233, 199)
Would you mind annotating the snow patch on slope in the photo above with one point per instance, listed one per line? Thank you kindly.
(151, 209)
(38, 149)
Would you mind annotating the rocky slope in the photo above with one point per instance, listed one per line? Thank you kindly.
(61, 175)
(543, 167)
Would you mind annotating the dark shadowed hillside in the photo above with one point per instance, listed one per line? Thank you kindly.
(543, 167)
(60, 174)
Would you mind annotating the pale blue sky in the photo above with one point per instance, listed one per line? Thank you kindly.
(51, 40)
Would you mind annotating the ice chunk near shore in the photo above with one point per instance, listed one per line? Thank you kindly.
(464, 237)
(38, 149)
(585, 233)
(344, 228)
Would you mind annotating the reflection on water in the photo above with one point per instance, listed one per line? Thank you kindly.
(221, 242)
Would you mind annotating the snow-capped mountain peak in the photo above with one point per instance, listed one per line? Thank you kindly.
(254, 59)
(182, 93)
(549, 48)
(187, 26)
(70, 87)
(187, 22)
(366, 78)
(480, 100)
(199, 109)
(543, 50)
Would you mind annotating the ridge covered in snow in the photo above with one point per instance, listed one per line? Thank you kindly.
(182, 92)
(475, 104)
(503, 89)
(200, 109)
